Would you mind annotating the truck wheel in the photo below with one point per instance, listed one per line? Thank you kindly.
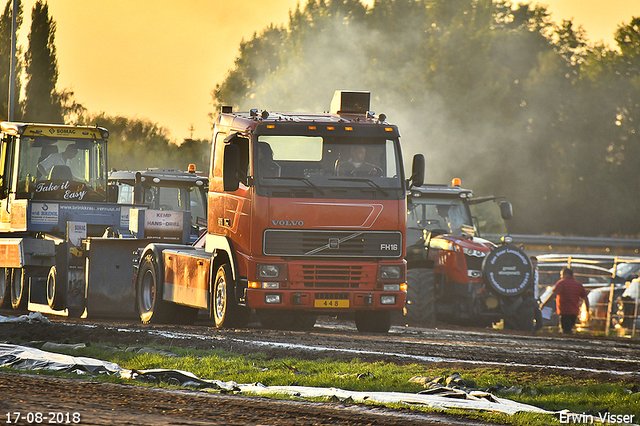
(226, 313)
(5, 289)
(373, 321)
(19, 290)
(421, 292)
(151, 306)
(525, 319)
(56, 290)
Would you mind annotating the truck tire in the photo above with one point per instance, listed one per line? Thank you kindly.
(421, 292)
(526, 319)
(225, 311)
(5, 289)
(373, 321)
(149, 302)
(56, 290)
(19, 290)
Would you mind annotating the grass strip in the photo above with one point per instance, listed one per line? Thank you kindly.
(550, 391)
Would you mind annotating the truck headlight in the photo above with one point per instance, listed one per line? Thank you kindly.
(472, 273)
(391, 272)
(473, 252)
(388, 300)
(268, 271)
(272, 298)
(271, 285)
(391, 287)
(271, 271)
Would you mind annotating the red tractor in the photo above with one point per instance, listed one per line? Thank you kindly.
(456, 276)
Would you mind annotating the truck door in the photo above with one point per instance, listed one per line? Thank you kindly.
(7, 145)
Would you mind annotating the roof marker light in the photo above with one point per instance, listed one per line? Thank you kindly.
(191, 168)
(456, 182)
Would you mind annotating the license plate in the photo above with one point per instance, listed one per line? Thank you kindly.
(331, 303)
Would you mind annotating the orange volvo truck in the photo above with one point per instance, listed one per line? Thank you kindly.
(307, 217)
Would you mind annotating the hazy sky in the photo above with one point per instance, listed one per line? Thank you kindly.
(160, 59)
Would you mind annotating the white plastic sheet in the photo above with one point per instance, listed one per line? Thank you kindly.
(28, 358)
(30, 318)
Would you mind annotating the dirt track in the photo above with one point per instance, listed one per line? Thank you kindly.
(579, 356)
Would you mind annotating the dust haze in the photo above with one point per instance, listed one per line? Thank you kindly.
(487, 130)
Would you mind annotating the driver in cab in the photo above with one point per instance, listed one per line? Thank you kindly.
(451, 217)
(57, 159)
(356, 166)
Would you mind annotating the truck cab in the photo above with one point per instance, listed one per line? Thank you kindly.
(165, 190)
(307, 216)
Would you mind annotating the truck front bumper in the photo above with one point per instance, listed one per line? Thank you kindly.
(329, 301)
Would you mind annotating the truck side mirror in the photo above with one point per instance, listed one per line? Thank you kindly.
(506, 210)
(230, 165)
(112, 193)
(138, 192)
(417, 171)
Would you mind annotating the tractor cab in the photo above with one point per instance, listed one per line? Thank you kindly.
(53, 162)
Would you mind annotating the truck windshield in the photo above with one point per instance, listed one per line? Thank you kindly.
(318, 160)
(443, 216)
(62, 169)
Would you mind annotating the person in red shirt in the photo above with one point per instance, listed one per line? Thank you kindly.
(569, 292)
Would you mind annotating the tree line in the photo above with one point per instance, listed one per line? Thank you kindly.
(131, 139)
(497, 94)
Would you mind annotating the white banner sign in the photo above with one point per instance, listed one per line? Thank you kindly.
(44, 213)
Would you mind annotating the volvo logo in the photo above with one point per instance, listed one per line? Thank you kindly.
(334, 243)
(288, 222)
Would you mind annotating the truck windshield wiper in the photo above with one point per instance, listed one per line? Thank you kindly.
(366, 180)
(300, 179)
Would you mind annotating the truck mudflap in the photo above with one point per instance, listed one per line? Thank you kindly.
(325, 302)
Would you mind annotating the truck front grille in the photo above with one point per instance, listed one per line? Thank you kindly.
(474, 262)
(332, 276)
(311, 243)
